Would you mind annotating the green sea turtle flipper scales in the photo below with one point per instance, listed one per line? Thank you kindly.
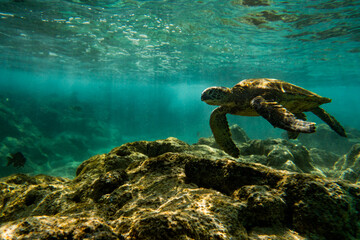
(329, 120)
(294, 135)
(279, 117)
(220, 128)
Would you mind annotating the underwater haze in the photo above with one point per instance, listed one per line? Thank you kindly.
(80, 77)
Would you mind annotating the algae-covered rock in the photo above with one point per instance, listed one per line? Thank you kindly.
(151, 149)
(281, 154)
(49, 227)
(323, 158)
(265, 207)
(22, 196)
(348, 166)
(317, 206)
(238, 134)
(277, 153)
(310, 205)
(160, 190)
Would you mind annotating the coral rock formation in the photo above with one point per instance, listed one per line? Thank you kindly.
(159, 190)
(348, 166)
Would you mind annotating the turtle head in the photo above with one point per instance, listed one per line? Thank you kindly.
(216, 95)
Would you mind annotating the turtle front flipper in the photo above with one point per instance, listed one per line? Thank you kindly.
(279, 117)
(220, 128)
(329, 120)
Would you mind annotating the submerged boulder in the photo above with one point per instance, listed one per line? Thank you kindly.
(348, 166)
(277, 153)
(159, 190)
(280, 154)
(322, 158)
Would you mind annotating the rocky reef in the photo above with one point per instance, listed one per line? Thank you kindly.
(167, 189)
(323, 153)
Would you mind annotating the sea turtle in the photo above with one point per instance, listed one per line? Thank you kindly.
(282, 104)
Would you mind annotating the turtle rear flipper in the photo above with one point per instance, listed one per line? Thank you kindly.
(221, 131)
(329, 120)
(294, 135)
(279, 117)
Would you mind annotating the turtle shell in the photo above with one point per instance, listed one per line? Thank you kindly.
(293, 98)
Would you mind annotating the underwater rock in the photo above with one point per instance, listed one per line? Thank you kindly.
(48, 227)
(301, 199)
(152, 149)
(22, 196)
(317, 206)
(159, 190)
(348, 166)
(281, 154)
(277, 153)
(210, 141)
(324, 161)
(264, 206)
(238, 134)
(325, 138)
(107, 183)
(323, 158)
(204, 150)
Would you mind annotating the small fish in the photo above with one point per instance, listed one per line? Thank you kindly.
(16, 159)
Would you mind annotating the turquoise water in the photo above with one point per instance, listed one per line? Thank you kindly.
(78, 78)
